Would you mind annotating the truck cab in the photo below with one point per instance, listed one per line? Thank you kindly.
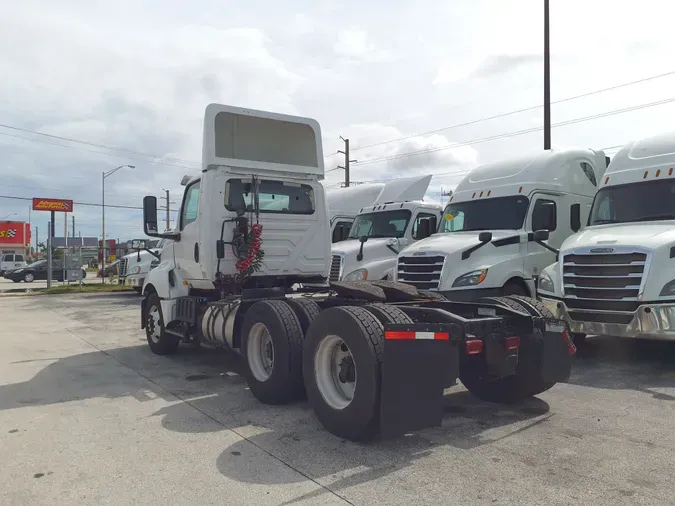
(134, 267)
(485, 245)
(616, 276)
(377, 235)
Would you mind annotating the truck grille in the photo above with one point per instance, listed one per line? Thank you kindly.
(336, 268)
(597, 284)
(124, 263)
(421, 272)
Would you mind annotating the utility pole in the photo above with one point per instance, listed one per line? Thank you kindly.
(73, 217)
(168, 209)
(347, 160)
(547, 79)
(37, 243)
(50, 228)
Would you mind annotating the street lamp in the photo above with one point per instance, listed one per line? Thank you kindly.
(105, 175)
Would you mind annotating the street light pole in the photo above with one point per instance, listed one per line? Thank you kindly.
(103, 176)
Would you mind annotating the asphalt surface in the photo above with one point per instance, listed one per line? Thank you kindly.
(9, 286)
(89, 416)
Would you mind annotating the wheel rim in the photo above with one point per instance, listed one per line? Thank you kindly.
(29, 278)
(335, 372)
(154, 324)
(260, 352)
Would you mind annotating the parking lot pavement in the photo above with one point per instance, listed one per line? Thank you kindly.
(89, 416)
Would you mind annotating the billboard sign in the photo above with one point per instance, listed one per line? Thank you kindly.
(59, 205)
(14, 232)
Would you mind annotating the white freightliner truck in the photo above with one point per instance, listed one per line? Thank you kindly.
(616, 276)
(344, 204)
(134, 267)
(485, 246)
(367, 366)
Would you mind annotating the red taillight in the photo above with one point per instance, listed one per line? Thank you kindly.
(474, 347)
(512, 343)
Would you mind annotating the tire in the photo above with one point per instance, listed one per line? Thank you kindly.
(387, 314)
(432, 295)
(84, 274)
(160, 342)
(138, 290)
(349, 412)
(29, 277)
(527, 380)
(306, 310)
(272, 351)
(513, 288)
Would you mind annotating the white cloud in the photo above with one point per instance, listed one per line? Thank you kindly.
(354, 43)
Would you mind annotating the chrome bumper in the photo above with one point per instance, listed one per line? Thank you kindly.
(650, 321)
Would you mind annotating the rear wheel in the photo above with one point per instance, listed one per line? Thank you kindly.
(342, 369)
(160, 342)
(306, 310)
(431, 295)
(272, 351)
(527, 380)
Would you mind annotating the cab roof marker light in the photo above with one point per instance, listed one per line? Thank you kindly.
(658, 173)
(474, 194)
(607, 180)
(645, 174)
(670, 172)
(489, 192)
(454, 197)
(481, 194)
(520, 190)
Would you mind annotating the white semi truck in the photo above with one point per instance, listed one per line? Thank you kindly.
(344, 204)
(253, 225)
(616, 277)
(134, 267)
(377, 236)
(485, 244)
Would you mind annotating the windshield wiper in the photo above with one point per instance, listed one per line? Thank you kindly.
(604, 222)
(655, 217)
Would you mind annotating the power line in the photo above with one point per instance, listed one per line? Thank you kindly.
(516, 133)
(511, 113)
(12, 197)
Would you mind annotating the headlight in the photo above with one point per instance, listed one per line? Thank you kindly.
(357, 275)
(471, 278)
(545, 283)
(668, 289)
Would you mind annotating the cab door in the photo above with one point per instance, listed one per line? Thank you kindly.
(545, 214)
(186, 250)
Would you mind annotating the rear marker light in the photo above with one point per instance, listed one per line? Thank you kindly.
(393, 335)
(474, 347)
(512, 343)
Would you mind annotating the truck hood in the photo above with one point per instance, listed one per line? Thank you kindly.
(450, 243)
(351, 247)
(646, 234)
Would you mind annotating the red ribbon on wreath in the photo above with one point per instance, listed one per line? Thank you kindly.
(253, 260)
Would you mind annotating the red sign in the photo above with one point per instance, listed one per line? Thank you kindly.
(14, 232)
(60, 205)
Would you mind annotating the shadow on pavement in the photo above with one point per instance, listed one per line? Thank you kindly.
(629, 364)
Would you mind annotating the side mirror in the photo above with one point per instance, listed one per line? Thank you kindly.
(575, 217)
(485, 236)
(137, 244)
(544, 217)
(150, 215)
(220, 249)
(541, 235)
(424, 228)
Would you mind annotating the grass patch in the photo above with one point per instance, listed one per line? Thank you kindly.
(56, 290)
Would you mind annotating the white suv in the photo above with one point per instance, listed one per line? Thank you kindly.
(11, 261)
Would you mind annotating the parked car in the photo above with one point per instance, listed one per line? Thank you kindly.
(10, 261)
(110, 269)
(38, 271)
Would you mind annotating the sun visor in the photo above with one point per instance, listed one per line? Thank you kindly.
(262, 140)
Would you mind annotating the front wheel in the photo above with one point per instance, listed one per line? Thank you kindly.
(29, 277)
(160, 342)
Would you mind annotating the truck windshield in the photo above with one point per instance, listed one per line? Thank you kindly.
(273, 197)
(382, 224)
(650, 201)
(503, 213)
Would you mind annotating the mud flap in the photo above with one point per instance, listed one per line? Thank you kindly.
(144, 305)
(558, 351)
(418, 361)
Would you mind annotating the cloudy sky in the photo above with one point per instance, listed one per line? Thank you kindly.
(130, 79)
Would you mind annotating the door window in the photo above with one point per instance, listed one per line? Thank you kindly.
(8, 258)
(18, 258)
(190, 205)
(341, 230)
(416, 223)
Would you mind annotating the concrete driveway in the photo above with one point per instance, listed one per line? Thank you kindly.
(89, 416)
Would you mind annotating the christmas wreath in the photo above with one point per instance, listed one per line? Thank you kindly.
(248, 250)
